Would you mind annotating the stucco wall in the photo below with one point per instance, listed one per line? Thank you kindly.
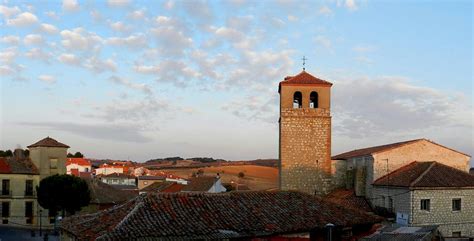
(42, 156)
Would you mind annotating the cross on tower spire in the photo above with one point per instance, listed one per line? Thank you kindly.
(304, 62)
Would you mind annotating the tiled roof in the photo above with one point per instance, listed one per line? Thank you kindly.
(102, 193)
(13, 165)
(151, 178)
(426, 175)
(375, 149)
(213, 216)
(200, 184)
(163, 187)
(347, 198)
(304, 78)
(370, 150)
(117, 175)
(48, 142)
(79, 161)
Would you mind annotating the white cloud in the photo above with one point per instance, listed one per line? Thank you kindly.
(70, 5)
(8, 55)
(132, 41)
(22, 20)
(6, 70)
(170, 71)
(169, 4)
(49, 79)
(137, 14)
(118, 3)
(120, 27)
(9, 11)
(351, 5)
(137, 86)
(10, 39)
(70, 59)
(99, 66)
(39, 54)
(33, 39)
(364, 48)
(80, 39)
(96, 16)
(323, 41)
(325, 10)
(292, 18)
(48, 28)
(52, 15)
(170, 36)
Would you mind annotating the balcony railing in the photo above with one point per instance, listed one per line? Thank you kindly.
(5, 193)
(29, 193)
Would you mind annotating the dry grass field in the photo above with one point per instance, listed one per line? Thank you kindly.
(256, 177)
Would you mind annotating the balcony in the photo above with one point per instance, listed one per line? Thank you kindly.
(5, 193)
(29, 193)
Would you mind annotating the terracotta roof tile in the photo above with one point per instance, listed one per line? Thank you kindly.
(304, 78)
(13, 165)
(347, 198)
(48, 142)
(213, 216)
(79, 161)
(200, 184)
(426, 175)
(163, 187)
(102, 193)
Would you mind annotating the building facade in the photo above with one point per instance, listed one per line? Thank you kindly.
(20, 175)
(305, 134)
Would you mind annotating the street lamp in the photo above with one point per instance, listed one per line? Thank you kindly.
(329, 227)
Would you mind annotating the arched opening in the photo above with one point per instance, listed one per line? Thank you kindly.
(297, 99)
(313, 100)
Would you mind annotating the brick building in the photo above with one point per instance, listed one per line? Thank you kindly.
(305, 134)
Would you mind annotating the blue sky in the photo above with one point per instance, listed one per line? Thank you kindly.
(145, 79)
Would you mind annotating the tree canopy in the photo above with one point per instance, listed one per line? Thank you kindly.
(77, 155)
(63, 193)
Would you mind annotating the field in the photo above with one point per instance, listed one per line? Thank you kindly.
(255, 177)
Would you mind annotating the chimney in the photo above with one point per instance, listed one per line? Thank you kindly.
(18, 154)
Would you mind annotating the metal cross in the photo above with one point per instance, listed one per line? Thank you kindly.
(304, 61)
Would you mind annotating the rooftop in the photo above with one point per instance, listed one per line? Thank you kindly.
(163, 187)
(347, 198)
(79, 161)
(213, 216)
(14, 165)
(304, 78)
(200, 184)
(48, 142)
(102, 193)
(426, 175)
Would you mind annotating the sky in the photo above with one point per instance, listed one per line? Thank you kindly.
(146, 79)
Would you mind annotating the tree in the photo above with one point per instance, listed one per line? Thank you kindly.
(69, 155)
(6, 153)
(78, 155)
(64, 193)
(241, 174)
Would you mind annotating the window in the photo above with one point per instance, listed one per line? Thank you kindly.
(53, 163)
(28, 209)
(457, 204)
(313, 100)
(29, 188)
(5, 209)
(456, 234)
(390, 203)
(52, 216)
(297, 99)
(5, 187)
(425, 204)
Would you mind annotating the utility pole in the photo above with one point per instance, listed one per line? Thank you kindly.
(40, 211)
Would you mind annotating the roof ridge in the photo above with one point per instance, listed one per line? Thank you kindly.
(423, 174)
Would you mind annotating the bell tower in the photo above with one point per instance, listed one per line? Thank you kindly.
(305, 134)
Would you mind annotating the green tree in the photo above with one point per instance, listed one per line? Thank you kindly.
(78, 154)
(64, 193)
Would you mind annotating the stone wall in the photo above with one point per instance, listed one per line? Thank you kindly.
(401, 199)
(441, 209)
(305, 150)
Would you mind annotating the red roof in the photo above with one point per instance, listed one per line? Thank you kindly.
(347, 198)
(231, 215)
(426, 175)
(48, 142)
(304, 78)
(79, 161)
(13, 165)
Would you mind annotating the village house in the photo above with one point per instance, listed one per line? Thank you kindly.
(118, 179)
(115, 167)
(75, 166)
(20, 175)
(211, 184)
(146, 180)
(165, 187)
(429, 194)
(218, 216)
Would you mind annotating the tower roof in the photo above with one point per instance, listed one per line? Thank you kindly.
(304, 78)
(48, 142)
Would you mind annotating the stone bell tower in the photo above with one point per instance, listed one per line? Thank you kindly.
(305, 134)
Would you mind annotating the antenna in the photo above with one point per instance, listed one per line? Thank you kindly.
(304, 62)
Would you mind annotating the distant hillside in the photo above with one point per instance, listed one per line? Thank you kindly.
(195, 162)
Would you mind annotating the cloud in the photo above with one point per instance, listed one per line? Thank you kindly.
(137, 86)
(170, 36)
(96, 16)
(138, 41)
(349, 4)
(52, 15)
(120, 27)
(364, 48)
(170, 71)
(8, 55)
(137, 14)
(292, 18)
(39, 54)
(255, 107)
(70, 5)
(10, 39)
(80, 39)
(105, 131)
(48, 28)
(9, 11)
(325, 10)
(99, 66)
(49, 79)
(364, 60)
(323, 41)
(70, 59)
(22, 20)
(118, 3)
(33, 39)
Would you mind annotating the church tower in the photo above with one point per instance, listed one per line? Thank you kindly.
(305, 134)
